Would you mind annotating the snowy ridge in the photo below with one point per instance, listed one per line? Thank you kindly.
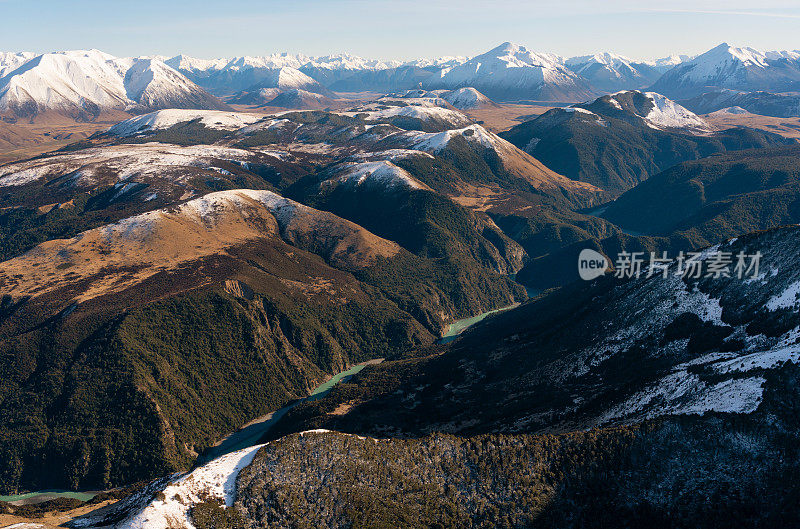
(610, 71)
(10, 61)
(206, 210)
(424, 113)
(667, 113)
(287, 78)
(164, 119)
(149, 160)
(606, 58)
(653, 109)
(215, 480)
(382, 173)
(436, 141)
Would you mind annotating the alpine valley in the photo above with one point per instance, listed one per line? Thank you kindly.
(328, 291)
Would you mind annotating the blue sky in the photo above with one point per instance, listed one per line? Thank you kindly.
(397, 29)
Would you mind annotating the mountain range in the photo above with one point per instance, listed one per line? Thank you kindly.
(85, 83)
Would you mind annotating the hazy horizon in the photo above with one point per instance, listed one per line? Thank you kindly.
(384, 30)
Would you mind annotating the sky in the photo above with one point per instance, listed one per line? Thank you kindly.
(400, 29)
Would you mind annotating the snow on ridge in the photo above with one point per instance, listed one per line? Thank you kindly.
(669, 114)
(216, 480)
(206, 210)
(213, 480)
(725, 57)
(164, 119)
(436, 141)
(570, 110)
(383, 173)
(424, 113)
(148, 159)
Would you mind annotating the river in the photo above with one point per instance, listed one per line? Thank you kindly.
(459, 326)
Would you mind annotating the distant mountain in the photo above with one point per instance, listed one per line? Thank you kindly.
(461, 98)
(611, 72)
(285, 78)
(512, 72)
(229, 76)
(650, 109)
(302, 100)
(619, 140)
(725, 66)
(667, 63)
(165, 119)
(85, 83)
(763, 103)
(342, 72)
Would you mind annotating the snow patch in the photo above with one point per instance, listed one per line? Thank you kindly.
(669, 114)
(216, 480)
(381, 173)
(788, 299)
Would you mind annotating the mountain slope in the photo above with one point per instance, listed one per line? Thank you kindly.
(10, 61)
(302, 100)
(716, 198)
(597, 353)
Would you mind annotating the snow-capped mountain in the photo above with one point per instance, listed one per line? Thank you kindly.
(275, 82)
(288, 78)
(231, 75)
(650, 108)
(726, 66)
(512, 72)
(341, 71)
(88, 82)
(612, 72)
